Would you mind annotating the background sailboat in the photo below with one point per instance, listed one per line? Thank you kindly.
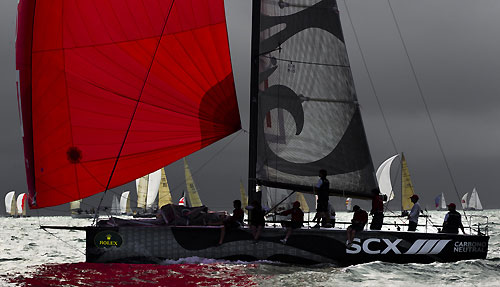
(10, 203)
(384, 178)
(463, 201)
(348, 204)
(384, 181)
(164, 195)
(115, 206)
(406, 186)
(194, 197)
(440, 202)
(77, 212)
(21, 204)
(244, 198)
(147, 191)
(474, 202)
(125, 203)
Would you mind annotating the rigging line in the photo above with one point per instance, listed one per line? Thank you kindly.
(64, 241)
(306, 62)
(372, 85)
(421, 94)
(210, 159)
(135, 110)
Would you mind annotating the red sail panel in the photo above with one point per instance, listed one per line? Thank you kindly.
(112, 90)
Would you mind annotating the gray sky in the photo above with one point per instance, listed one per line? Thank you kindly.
(453, 45)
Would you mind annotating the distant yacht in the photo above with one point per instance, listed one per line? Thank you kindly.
(10, 203)
(474, 202)
(440, 202)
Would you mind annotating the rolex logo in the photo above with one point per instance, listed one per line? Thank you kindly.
(108, 238)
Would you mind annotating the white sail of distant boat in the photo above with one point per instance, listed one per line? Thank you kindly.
(440, 202)
(164, 195)
(194, 197)
(21, 204)
(464, 201)
(348, 204)
(115, 205)
(474, 202)
(147, 190)
(10, 203)
(153, 187)
(125, 203)
(384, 177)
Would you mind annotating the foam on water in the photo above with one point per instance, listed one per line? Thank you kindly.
(33, 257)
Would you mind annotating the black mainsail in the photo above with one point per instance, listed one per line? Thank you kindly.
(304, 110)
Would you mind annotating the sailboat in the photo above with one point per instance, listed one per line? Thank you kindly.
(474, 202)
(21, 204)
(125, 203)
(147, 192)
(77, 212)
(192, 191)
(440, 202)
(126, 100)
(463, 201)
(10, 203)
(384, 181)
(115, 206)
(348, 204)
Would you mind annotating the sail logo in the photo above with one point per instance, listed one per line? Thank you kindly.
(106, 239)
(419, 247)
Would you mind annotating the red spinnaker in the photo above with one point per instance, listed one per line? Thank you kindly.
(115, 89)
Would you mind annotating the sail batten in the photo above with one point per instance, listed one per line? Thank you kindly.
(108, 87)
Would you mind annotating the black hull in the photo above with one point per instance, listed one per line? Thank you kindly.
(153, 244)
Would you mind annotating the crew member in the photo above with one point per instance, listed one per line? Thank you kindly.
(414, 213)
(452, 220)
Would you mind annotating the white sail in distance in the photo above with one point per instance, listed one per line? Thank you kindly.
(384, 177)
(348, 204)
(443, 201)
(115, 205)
(21, 204)
(10, 203)
(464, 201)
(474, 202)
(153, 187)
(125, 202)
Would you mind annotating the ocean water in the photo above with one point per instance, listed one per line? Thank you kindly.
(31, 256)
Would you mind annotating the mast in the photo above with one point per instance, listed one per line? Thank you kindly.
(253, 195)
